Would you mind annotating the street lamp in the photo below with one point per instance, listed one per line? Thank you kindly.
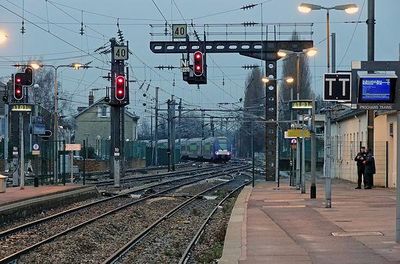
(288, 79)
(3, 37)
(75, 66)
(349, 9)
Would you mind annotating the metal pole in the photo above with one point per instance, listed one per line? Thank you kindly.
(328, 62)
(327, 155)
(371, 57)
(6, 135)
(292, 175)
(313, 188)
(173, 133)
(22, 150)
(156, 130)
(298, 176)
(398, 181)
(333, 35)
(55, 165)
(328, 179)
(179, 123)
(84, 163)
(303, 162)
(169, 135)
(252, 153)
(64, 167)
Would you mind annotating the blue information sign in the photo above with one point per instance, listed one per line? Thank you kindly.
(376, 90)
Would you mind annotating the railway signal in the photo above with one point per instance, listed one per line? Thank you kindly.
(198, 63)
(120, 86)
(28, 76)
(18, 89)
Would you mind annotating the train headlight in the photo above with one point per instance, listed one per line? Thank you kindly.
(216, 152)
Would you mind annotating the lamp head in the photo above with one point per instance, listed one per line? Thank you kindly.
(349, 8)
(307, 8)
(310, 52)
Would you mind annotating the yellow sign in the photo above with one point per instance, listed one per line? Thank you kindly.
(298, 133)
(302, 105)
(21, 108)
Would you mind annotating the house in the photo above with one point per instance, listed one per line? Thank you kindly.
(93, 123)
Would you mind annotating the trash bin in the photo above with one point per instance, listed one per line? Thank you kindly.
(36, 181)
(3, 182)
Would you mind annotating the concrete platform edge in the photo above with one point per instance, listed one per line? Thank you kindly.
(235, 238)
(33, 205)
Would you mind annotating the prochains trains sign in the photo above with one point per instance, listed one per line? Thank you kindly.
(375, 85)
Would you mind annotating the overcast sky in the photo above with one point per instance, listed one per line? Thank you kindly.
(54, 38)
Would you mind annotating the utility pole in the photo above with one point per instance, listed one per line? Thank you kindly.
(22, 151)
(252, 153)
(313, 187)
(371, 57)
(169, 134)
(173, 133)
(212, 126)
(156, 129)
(179, 122)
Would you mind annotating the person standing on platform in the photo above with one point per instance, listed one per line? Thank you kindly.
(370, 169)
(360, 158)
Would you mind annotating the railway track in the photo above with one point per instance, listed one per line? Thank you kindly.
(159, 242)
(37, 237)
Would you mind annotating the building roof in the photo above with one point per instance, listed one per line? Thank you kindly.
(102, 101)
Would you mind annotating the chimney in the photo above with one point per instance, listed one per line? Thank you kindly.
(91, 98)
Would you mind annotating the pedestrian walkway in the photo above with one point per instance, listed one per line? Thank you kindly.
(283, 226)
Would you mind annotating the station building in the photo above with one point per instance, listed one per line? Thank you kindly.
(349, 133)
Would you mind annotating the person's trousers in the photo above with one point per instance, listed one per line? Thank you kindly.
(360, 177)
(368, 179)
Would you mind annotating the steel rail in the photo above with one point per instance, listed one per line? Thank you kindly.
(196, 237)
(124, 249)
(10, 231)
(17, 254)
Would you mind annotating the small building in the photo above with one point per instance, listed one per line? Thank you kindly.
(349, 133)
(93, 123)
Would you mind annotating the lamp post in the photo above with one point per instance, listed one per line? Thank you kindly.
(309, 53)
(75, 66)
(349, 9)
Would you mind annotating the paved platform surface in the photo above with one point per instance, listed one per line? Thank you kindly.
(284, 226)
(15, 194)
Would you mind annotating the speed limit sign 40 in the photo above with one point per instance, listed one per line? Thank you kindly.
(179, 31)
(120, 52)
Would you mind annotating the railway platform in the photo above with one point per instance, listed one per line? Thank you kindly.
(283, 226)
(16, 202)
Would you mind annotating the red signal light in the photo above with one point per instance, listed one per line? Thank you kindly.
(18, 92)
(198, 63)
(120, 87)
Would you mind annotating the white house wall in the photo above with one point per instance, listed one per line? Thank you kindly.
(348, 134)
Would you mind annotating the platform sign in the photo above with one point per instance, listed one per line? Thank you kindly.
(35, 149)
(179, 31)
(21, 108)
(72, 147)
(337, 87)
(301, 104)
(298, 133)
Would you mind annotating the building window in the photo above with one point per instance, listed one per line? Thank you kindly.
(103, 111)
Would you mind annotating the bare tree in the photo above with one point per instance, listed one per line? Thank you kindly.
(253, 107)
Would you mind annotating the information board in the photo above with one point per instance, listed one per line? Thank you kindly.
(376, 90)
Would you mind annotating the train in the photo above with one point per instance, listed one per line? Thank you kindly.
(213, 149)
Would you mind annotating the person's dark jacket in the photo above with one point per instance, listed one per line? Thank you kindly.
(360, 158)
(370, 164)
